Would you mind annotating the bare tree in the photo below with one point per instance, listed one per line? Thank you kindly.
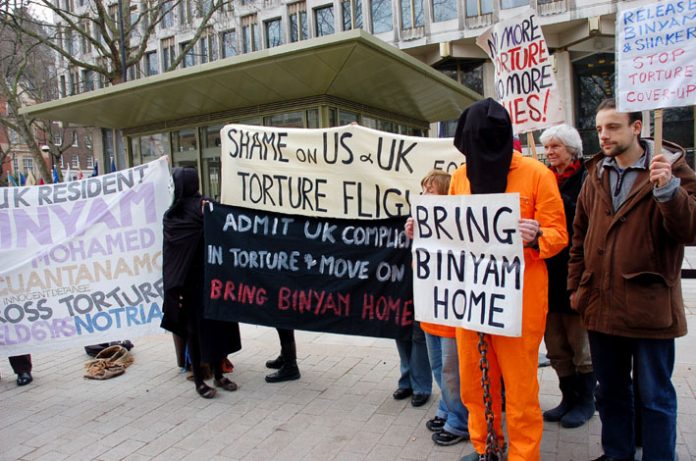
(97, 37)
(26, 76)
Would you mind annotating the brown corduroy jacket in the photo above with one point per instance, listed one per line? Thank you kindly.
(625, 266)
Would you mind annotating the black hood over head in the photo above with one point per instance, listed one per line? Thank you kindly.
(183, 228)
(484, 136)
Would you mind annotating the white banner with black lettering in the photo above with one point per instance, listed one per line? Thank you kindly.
(468, 262)
(656, 55)
(82, 260)
(348, 172)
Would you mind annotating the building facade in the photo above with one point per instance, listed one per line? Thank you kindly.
(439, 33)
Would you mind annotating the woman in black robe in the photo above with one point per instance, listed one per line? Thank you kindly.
(208, 341)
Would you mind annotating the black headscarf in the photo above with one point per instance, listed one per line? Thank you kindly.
(484, 136)
(183, 228)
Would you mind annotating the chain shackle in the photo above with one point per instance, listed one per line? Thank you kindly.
(492, 445)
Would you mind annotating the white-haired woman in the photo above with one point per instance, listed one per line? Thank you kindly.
(566, 338)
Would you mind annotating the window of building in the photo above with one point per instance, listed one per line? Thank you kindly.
(381, 12)
(346, 117)
(85, 44)
(90, 161)
(102, 81)
(210, 136)
(210, 160)
(208, 47)
(468, 72)
(167, 12)
(185, 12)
(351, 14)
(13, 136)
(75, 162)
(87, 80)
(62, 86)
(189, 57)
(134, 71)
(274, 33)
(185, 147)
(59, 40)
(75, 140)
(313, 118)
(113, 12)
(133, 14)
(229, 43)
(250, 34)
(287, 120)
(324, 20)
(28, 163)
(168, 53)
(88, 140)
(505, 4)
(388, 126)
(62, 162)
(204, 7)
(594, 81)
(151, 63)
(444, 10)
(68, 45)
(58, 140)
(74, 81)
(478, 7)
(297, 15)
(153, 146)
(412, 14)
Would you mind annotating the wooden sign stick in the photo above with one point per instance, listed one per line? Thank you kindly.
(658, 131)
(532, 144)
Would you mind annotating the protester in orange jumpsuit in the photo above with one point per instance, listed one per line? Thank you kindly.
(484, 136)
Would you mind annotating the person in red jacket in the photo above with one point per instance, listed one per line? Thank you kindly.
(484, 136)
(635, 213)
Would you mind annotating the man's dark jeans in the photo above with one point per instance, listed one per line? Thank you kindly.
(652, 361)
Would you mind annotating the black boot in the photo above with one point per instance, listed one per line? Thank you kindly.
(568, 399)
(288, 370)
(275, 364)
(584, 407)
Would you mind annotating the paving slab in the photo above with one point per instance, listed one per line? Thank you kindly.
(341, 408)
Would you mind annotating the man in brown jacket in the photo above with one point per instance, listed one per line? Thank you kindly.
(634, 215)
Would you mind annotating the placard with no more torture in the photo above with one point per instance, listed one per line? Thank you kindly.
(319, 274)
(524, 79)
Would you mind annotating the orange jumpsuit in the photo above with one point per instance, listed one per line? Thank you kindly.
(516, 358)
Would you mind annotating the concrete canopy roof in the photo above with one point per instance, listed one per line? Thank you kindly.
(351, 65)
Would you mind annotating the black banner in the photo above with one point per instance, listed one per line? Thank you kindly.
(295, 272)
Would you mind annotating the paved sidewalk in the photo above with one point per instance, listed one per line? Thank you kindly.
(341, 409)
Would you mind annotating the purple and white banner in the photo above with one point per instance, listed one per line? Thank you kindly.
(82, 260)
